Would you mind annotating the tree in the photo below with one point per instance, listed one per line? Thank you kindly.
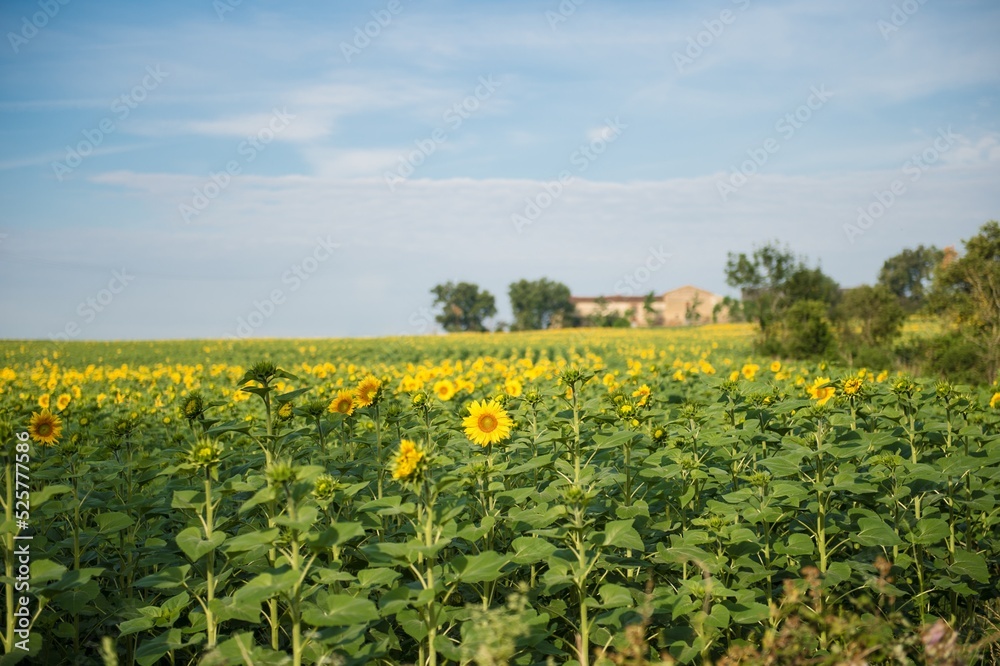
(909, 275)
(772, 279)
(691, 314)
(808, 331)
(651, 315)
(967, 292)
(870, 315)
(540, 304)
(464, 306)
(811, 284)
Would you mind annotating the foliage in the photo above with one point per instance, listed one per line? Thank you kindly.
(540, 304)
(464, 306)
(603, 318)
(909, 275)
(807, 331)
(967, 292)
(870, 316)
(772, 280)
(212, 509)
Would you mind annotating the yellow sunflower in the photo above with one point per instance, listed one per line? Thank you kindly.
(487, 423)
(995, 400)
(513, 387)
(776, 367)
(43, 401)
(852, 385)
(444, 389)
(820, 394)
(407, 462)
(342, 404)
(45, 428)
(62, 402)
(749, 371)
(367, 391)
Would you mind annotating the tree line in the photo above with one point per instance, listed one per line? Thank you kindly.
(536, 304)
(803, 313)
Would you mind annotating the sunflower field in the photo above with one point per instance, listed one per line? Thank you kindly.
(564, 497)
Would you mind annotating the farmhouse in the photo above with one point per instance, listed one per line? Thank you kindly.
(684, 306)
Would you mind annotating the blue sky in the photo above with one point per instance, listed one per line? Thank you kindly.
(169, 169)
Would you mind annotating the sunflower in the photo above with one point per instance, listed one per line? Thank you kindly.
(487, 423)
(775, 367)
(407, 463)
(513, 387)
(45, 428)
(995, 400)
(43, 401)
(749, 371)
(342, 404)
(852, 385)
(444, 390)
(62, 402)
(642, 393)
(368, 391)
(818, 392)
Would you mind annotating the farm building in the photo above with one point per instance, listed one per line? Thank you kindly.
(684, 306)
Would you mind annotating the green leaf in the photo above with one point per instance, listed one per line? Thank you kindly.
(970, 564)
(615, 596)
(337, 535)
(929, 531)
(228, 608)
(251, 540)
(749, 612)
(796, 545)
(43, 570)
(113, 521)
(134, 626)
(40, 497)
(377, 577)
(621, 534)
(75, 600)
(266, 586)
(874, 531)
(341, 610)
(190, 541)
(151, 650)
(166, 578)
(478, 568)
(530, 549)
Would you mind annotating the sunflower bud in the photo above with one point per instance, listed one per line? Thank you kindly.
(193, 407)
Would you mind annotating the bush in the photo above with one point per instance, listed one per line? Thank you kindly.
(957, 357)
(807, 331)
